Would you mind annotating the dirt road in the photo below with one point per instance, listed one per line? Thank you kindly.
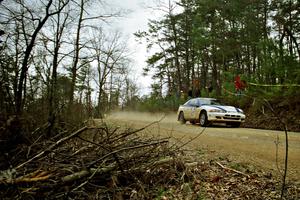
(243, 145)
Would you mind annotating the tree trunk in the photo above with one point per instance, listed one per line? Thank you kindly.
(24, 67)
(76, 56)
(53, 100)
(175, 35)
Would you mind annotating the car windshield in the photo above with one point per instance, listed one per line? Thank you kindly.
(209, 102)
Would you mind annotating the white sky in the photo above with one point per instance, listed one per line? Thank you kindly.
(136, 20)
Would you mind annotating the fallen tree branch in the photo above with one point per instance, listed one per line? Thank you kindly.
(42, 176)
(35, 176)
(93, 172)
(80, 159)
(233, 170)
(49, 149)
(124, 149)
(86, 172)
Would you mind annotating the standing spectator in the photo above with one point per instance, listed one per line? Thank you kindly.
(238, 85)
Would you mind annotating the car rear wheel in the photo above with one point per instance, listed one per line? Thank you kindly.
(203, 119)
(181, 118)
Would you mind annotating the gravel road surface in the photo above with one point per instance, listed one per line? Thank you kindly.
(254, 146)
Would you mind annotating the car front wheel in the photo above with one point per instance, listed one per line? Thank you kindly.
(181, 118)
(203, 119)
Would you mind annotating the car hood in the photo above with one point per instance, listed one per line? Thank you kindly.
(229, 109)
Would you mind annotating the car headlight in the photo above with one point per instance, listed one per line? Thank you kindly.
(240, 110)
(216, 110)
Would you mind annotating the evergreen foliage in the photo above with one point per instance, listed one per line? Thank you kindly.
(212, 41)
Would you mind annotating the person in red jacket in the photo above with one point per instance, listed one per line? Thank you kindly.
(238, 84)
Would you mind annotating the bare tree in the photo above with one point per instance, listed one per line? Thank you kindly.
(28, 50)
(76, 50)
(84, 18)
(23, 15)
(60, 24)
(56, 38)
(109, 54)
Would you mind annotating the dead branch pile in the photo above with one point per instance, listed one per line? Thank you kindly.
(90, 163)
(109, 162)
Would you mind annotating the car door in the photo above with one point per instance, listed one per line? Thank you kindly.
(192, 106)
(199, 108)
(186, 110)
(194, 109)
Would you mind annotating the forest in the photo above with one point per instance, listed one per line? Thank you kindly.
(54, 55)
(212, 40)
(199, 47)
(62, 64)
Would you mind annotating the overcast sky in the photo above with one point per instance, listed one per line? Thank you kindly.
(137, 19)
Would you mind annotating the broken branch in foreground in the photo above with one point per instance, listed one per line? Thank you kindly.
(88, 156)
(49, 149)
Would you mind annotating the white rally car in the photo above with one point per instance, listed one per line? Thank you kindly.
(208, 110)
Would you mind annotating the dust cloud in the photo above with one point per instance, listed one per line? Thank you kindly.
(143, 116)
